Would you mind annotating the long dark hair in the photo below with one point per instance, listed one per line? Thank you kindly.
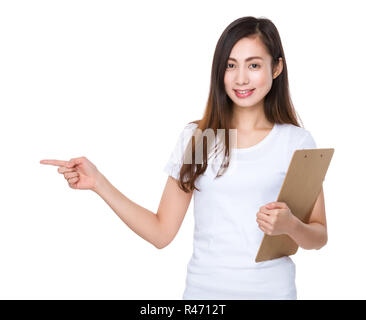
(278, 107)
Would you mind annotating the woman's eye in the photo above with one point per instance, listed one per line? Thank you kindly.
(253, 64)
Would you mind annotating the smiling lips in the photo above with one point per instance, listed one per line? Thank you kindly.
(243, 93)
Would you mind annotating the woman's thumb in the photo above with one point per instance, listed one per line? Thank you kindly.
(70, 164)
(73, 162)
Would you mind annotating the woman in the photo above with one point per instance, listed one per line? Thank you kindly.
(233, 202)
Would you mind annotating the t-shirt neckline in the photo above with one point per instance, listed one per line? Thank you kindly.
(260, 143)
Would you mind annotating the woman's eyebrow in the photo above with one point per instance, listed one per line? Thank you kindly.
(247, 59)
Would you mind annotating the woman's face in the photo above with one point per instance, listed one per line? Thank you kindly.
(244, 72)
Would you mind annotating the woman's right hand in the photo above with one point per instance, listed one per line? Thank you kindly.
(80, 173)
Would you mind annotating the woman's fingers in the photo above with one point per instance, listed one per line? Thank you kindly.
(65, 169)
(264, 226)
(264, 216)
(54, 162)
(73, 180)
(68, 169)
(69, 175)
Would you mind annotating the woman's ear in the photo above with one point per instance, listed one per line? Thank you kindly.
(278, 68)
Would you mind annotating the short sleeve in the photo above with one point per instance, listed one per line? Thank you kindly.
(307, 142)
(175, 162)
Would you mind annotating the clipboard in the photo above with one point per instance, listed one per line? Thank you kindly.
(299, 190)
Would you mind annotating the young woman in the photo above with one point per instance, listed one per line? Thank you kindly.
(234, 205)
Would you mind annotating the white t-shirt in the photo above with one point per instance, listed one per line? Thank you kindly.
(226, 233)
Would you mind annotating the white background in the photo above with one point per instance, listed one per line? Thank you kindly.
(116, 82)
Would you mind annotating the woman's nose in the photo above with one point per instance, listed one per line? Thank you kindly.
(241, 76)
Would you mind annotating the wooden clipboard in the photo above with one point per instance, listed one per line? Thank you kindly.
(300, 189)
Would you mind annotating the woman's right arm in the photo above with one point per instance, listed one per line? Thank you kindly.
(158, 229)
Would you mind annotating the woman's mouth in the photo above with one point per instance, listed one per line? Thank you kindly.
(243, 94)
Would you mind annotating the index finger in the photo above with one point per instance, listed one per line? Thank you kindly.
(54, 162)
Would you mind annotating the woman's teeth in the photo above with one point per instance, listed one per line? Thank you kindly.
(243, 93)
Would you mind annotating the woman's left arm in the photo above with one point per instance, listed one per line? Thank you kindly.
(312, 235)
(276, 218)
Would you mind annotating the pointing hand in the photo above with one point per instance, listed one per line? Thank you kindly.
(80, 173)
